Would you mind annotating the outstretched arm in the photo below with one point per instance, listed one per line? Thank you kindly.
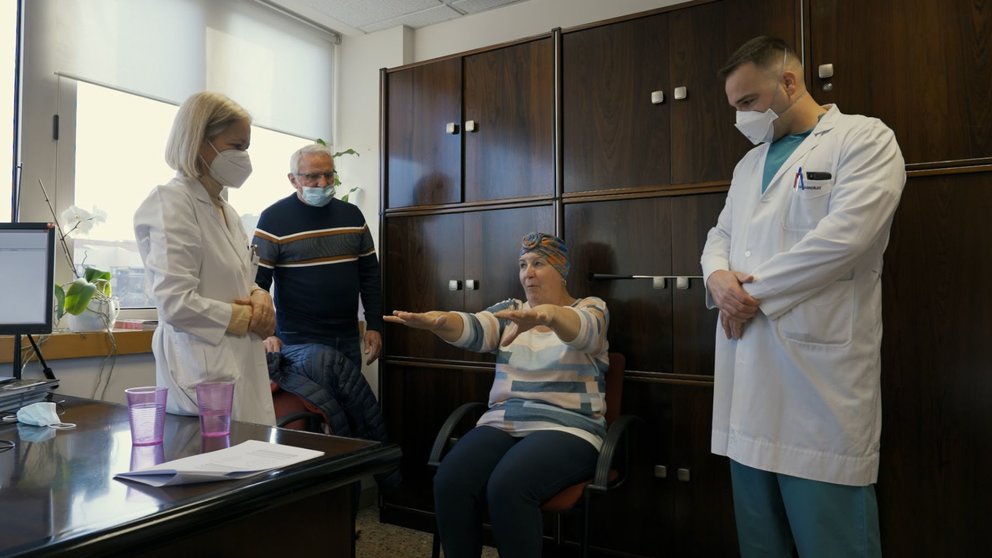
(446, 325)
(564, 322)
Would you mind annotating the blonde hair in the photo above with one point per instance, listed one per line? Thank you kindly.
(202, 116)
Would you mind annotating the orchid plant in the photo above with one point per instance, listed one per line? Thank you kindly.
(75, 297)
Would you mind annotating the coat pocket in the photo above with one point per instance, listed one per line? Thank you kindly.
(809, 203)
(826, 318)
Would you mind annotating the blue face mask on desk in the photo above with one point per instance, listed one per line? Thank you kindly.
(42, 414)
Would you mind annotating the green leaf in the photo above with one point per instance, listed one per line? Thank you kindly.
(346, 152)
(100, 279)
(78, 297)
(59, 302)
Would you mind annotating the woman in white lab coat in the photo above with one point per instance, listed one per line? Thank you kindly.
(198, 266)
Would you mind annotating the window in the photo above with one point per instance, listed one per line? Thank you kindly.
(8, 65)
(120, 155)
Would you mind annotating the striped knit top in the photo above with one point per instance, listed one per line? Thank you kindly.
(543, 383)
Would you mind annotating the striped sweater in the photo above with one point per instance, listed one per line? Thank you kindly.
(321, 259)
(543, 383)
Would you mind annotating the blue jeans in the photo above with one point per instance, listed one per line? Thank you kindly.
(775, 512)
(511, 477)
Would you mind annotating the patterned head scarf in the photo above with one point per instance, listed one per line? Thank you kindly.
(551, 247)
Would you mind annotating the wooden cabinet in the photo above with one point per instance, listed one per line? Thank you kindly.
(503, 139)
(614, 136)
(677, 501)
(666, 329)
(423, 146)
(923, 71)
(936, 421)
(453, 261)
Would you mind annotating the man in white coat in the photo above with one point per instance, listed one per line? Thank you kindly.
(794, 265)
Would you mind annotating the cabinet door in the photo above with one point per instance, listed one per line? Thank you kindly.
(613, 135)
(705, 144)
(933, 488)
(626, 237)
(923, 71)
(423, 160)
(416, 400)
(694, 327)
(509, 95)
(423, 254)
(492, 249)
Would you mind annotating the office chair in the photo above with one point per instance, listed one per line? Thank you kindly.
(605, 478)
(296, 413)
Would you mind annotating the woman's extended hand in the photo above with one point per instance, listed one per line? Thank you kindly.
(524, 320)
(431, 321)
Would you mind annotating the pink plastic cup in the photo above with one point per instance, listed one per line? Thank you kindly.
(215, 400)
(146, 412)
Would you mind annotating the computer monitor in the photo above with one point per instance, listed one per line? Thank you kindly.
(27, 265)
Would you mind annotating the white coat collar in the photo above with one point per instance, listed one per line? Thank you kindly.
(201, 195)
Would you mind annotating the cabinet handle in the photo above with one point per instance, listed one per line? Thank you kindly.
(657, 97)
(660, 472)
(471, 284)
(680, 93)
(682, 475)
(471, 126)
(454, 285)
(451, 128)
(825, 71)
(657, 281)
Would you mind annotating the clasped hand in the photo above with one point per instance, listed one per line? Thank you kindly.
(263, 316)
(737, 307)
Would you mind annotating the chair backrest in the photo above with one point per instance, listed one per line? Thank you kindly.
(614, 386)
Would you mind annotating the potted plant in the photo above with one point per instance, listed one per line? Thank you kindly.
(87, 299)
(337, 181)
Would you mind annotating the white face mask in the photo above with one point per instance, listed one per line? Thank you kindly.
(759, 127)
(316, 196)
(42, 414)
(230, 167)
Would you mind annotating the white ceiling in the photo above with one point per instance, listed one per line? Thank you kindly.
(355, 17)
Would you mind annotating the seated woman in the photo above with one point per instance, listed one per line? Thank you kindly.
(545, 425)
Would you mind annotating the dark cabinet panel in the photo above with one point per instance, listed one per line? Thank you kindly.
(422, 255)
(613, 136)
(626, 237)
(492, 249)
(923, 70)
(677, 500)
(509, 95)
(705, 144)
(423, 159)
(658, 329)
(936, 423)
(416, 401)
(458, 261)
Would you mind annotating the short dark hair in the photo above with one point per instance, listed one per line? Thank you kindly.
(762, 51)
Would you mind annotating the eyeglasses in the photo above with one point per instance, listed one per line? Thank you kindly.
(315, 176)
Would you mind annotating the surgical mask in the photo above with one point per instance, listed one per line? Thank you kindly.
(317, 197)
(42, 414)
(230, 167)
(759, 127)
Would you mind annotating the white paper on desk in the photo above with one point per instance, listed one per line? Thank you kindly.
(237, 462)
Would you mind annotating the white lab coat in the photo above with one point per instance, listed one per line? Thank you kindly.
(195, 266)
(799, 393)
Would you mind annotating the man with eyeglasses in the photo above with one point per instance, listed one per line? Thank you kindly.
(319, 252)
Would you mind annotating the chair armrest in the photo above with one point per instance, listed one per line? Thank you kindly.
(456, 416)
(617, 435)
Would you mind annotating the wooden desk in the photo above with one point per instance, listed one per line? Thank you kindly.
(58, 495)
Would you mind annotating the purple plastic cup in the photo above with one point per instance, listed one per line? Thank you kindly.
(146, 413)
(215, 400)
